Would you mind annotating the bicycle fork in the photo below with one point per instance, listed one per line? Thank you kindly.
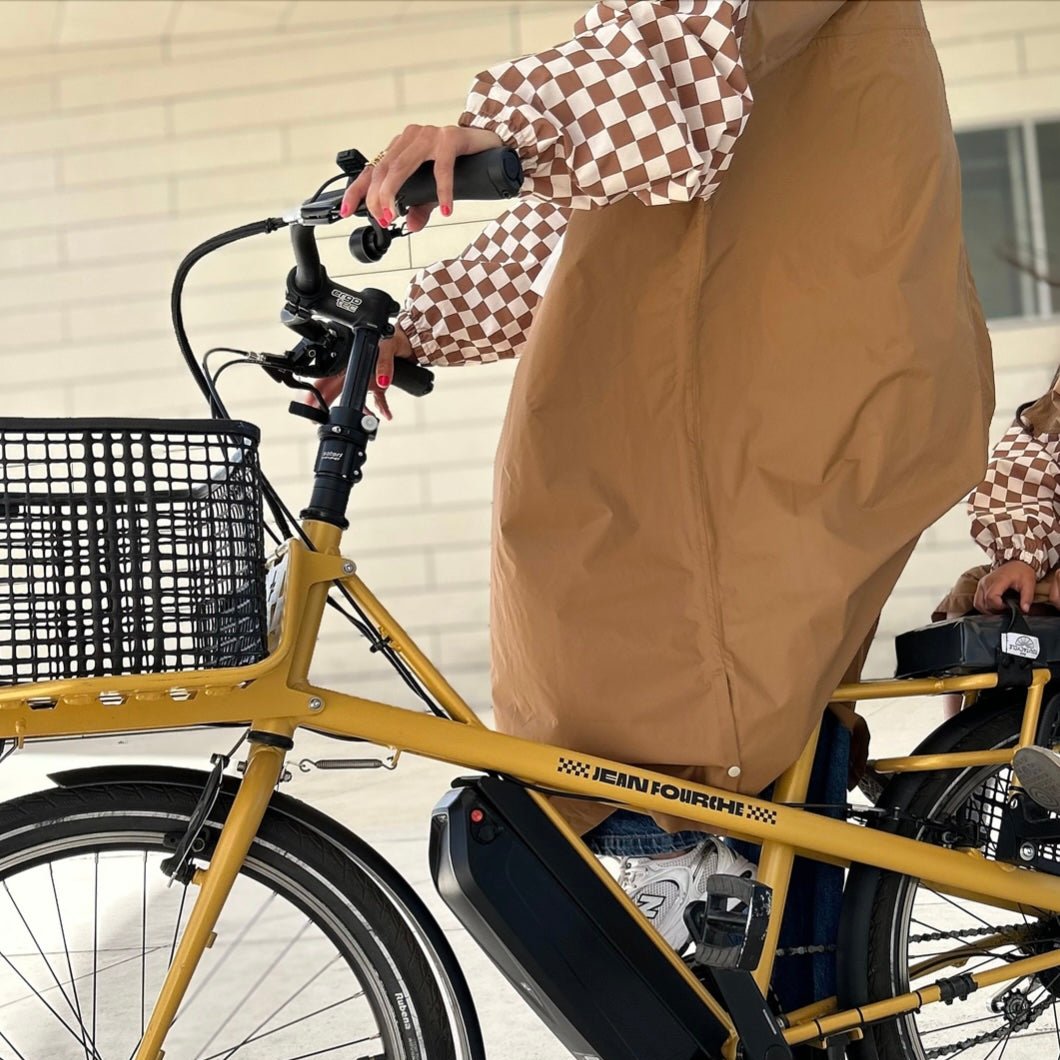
(268, 749)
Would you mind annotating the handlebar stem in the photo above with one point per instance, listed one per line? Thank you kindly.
(344, 439)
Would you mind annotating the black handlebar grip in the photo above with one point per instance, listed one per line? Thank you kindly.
(493, 174)
(413, 378)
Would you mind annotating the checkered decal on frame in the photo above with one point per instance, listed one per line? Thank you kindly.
(573, 767)
(756, 813)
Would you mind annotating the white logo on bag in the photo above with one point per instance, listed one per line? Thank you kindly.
(650, 904)
(1021, 644)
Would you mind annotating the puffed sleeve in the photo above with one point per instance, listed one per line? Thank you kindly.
(478, 307)
(1015, 513)
(647, 99)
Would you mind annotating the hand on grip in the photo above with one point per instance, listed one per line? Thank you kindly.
(378, 187)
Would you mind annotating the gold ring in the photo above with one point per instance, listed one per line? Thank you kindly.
(378, 158)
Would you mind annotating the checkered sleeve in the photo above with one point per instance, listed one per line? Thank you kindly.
(647, 99)
(478, 307)
(1016, 509)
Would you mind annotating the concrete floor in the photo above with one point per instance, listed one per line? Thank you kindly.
(391, 811)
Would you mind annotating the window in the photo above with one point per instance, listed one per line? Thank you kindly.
(1011, 190)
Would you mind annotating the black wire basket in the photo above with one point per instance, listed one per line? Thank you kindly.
(129, 546)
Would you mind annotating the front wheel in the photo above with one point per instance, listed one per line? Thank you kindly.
(914, 935)
(311, 956)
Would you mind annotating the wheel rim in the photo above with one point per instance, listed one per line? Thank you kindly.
(1018, 1020)
(88, 926)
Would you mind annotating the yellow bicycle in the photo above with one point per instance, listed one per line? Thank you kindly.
(152, 911)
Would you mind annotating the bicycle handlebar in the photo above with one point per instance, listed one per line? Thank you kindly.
(493, 174)
(306, 258)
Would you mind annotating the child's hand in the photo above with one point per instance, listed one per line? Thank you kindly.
(1012, 575)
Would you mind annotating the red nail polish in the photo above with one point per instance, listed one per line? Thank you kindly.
(344, 210)
(385, 218)
(446, 209)
(383, 381)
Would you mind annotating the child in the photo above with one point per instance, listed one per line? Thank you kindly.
(1016, 520)
(1016, 517)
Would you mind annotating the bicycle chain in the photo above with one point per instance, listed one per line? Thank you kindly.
(1030, 931)
(1030, 934)
(805, 951)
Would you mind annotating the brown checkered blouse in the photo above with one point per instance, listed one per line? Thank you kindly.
(1016, 508)
(647, 99)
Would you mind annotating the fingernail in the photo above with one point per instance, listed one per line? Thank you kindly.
(446, 209)
(385, 218)
(383, 381)
(344, 210)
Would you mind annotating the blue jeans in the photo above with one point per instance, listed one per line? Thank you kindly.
(626, 834)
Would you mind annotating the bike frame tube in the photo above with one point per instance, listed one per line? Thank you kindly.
(777, 859)
(275, 695)
(264, 766)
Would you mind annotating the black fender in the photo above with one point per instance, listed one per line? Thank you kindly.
(863, 880)
(410, 906)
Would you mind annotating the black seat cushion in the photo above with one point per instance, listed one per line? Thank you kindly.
(968, 645)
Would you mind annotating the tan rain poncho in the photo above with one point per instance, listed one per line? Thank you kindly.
(735, 412)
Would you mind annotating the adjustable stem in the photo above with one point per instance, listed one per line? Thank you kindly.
(344, 438)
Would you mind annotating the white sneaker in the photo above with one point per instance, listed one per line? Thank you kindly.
(662, 888)
(1038, 770)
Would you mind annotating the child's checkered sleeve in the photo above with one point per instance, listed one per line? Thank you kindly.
(478, 306)
(647, 99)
(1016, 509)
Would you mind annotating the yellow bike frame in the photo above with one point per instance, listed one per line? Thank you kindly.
(275, 697)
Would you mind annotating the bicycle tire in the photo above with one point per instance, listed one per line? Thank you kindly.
(882, 904)
(349, 907)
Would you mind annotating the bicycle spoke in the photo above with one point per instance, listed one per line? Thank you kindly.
(41, 998)
(302, 1019)
(265, 973)
(47, 964)
(967, 912)
(143, 951)
(242, 934)
(176, 927)
(69, 963)
(104, 968)
(11, 1045)
(276, 1011)
(95, 942)
(331, 1048)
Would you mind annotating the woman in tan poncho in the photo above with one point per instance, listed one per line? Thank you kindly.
(759, 371)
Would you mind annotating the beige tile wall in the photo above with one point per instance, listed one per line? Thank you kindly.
(132, 129)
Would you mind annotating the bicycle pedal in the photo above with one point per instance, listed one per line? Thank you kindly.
(729, 926)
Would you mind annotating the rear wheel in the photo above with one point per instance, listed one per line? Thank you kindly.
(917, 935)
(311, 956)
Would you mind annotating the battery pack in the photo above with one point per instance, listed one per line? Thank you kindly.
(578, 956)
